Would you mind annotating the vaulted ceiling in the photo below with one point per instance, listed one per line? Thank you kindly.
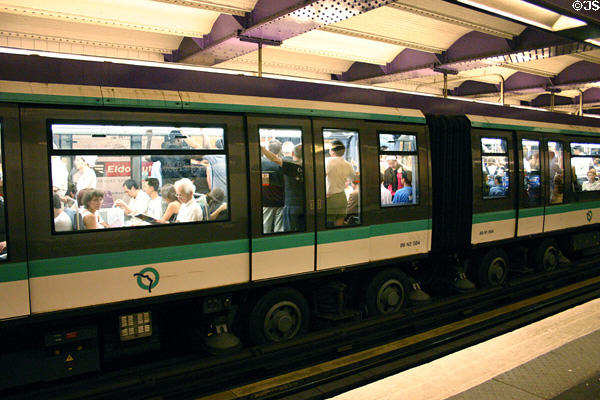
(544, 54)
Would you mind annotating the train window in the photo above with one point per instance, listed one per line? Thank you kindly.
(398, 169)
(3, 227)
(282, 179)
(531, 167)
(555, 168)
(495, 166)
(123, 137)
(585, 166)
(342, 177)
(184, 181)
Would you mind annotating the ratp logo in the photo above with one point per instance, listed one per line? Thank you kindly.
(588, 216)
(147, 278)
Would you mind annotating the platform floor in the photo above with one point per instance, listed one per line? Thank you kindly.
(556, 358)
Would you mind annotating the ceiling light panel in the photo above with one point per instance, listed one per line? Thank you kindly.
(345, 47)
(526, 12)
(403, 25)
(141, 15)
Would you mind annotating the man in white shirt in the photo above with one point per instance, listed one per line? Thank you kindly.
(139, 200)
(150, 187)
(338, 171)
(190, 210)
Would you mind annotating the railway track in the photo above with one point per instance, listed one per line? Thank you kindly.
(333, 360)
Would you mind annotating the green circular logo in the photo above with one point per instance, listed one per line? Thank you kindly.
(147, 278)
(589, 216)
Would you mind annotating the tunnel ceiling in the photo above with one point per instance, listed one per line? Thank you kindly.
(538, 53)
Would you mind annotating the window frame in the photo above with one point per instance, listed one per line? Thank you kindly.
(506, 154)
(417, 190)
(131, 153)
(581, 195)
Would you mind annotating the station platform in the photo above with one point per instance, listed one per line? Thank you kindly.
(556, 358)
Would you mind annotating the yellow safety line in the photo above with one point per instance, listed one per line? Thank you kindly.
(303, 374)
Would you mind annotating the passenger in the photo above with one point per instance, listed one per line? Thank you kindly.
(217, 208)
(556, 197)
(155, 204)
(575, 181)
(497, 190)
(386, 195)
(190, 210)
(216, 169)
(171, 204)
(591, 184)
(554, 168)
(404, 195)
(353, 209)
(293, 174)
(338, 171)
(92, 201)
(392, 177)
(486, 183)
(172, 167)
(138, 199)
(62, 222)
(272, 191)
(87, 176)
(60, 176)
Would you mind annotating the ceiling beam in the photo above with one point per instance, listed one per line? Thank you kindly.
(208, 5)
(275, 20)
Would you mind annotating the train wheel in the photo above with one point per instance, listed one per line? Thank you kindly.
(387, 292)
(492, 268)
(545, 256)
(281, 314)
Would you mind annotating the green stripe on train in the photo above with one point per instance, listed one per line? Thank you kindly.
(494, 216)
(10, 272)
(171, 105)
(478, 124)
(563, 208)
(346, 234)
(278, 242)
(531, 212)
(95, 262)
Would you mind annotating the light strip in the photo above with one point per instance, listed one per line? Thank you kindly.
(595, 42)
(508, 14)
(186, 67)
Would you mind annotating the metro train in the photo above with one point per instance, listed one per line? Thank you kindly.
(438, 186)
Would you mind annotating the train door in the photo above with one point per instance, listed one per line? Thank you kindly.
(14, 284)
(532, 183)
(397, 190)
(494, 188)
(343, 236)
(282, 196)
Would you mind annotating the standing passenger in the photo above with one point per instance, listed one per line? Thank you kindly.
(338, 171)
(87, 176)
(293, 173)
(392, 175)
(386, 195)
(404, 195)
(272, 191)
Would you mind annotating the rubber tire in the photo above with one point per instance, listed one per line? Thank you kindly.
(537, 252)
(377, 282)
(256, 321)
(485, 262)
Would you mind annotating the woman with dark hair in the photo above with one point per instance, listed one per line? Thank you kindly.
(92, 201)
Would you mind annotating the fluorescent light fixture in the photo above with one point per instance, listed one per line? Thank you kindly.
(186, 67)
(536, 15)
(595, 42)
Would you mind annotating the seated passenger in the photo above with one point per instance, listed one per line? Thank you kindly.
(92, 201)
(170, 204)
(404, 195)
(217, 208)
(497, 190)
(62, 222)
(190, 210)
(591, 184)
(139, 200)
(155, 204)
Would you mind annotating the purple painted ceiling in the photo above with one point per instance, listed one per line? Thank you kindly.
(274, 20)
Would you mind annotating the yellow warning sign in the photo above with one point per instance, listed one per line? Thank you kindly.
(69, 358)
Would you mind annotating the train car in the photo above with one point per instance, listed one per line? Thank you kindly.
(293, 200)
